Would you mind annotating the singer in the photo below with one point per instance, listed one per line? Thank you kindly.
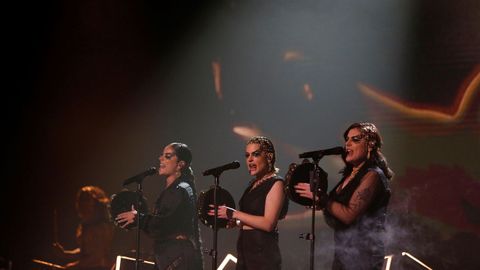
(263, 203)
(357, 206)
(173, 225)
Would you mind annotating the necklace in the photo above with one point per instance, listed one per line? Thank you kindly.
(256, 183)
(351, 176)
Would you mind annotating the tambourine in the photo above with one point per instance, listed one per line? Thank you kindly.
(206, 198)
(301, 173)
(123, 201)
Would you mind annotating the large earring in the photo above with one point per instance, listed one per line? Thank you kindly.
(269, 162)
(368, 155)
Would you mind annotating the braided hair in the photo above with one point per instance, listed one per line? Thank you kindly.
(266, 145)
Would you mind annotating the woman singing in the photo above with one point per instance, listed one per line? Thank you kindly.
(356, 208)
(263, 203)
(173, 224)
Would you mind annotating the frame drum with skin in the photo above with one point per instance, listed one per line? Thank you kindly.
(205, 199)
(301, 174)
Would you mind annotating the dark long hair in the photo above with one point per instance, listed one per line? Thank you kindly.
(184, 154)
(375, 142)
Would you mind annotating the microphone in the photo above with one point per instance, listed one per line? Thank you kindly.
(218, 170)
(320, 153)
(139, 177)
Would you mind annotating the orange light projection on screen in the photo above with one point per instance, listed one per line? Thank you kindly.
(289, 56)
(450, 114)
(246, 132)
(307, 92)
(217, 78)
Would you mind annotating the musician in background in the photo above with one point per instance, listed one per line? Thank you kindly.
(94, 233)
(263, 203)
(356, 207)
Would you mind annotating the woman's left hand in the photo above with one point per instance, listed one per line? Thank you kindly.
(222, 211)
(303, 189)
(126, 218)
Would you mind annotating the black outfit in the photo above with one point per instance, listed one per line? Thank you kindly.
(174, 228)
(359, 245)
(257, 249)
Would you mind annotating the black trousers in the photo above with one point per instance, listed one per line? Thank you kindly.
(177, 254)
(258, 250)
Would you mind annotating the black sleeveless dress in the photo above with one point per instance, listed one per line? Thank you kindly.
(257, 249)
(359, 245)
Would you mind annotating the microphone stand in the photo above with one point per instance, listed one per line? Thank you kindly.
(139, 180)
(314, 183)
(216, 174)
(213, 252)
(139, 192)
